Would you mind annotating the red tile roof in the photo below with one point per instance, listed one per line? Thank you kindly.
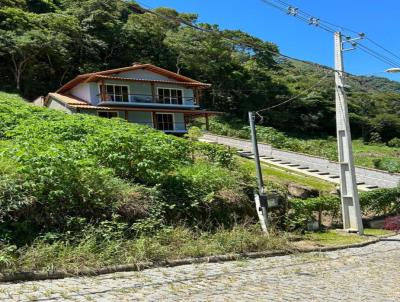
(180, 79)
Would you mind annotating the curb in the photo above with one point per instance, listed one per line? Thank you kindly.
(52, 275)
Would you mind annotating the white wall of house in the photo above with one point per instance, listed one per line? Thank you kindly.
(87, 92)
(81, 91)
(54, 104)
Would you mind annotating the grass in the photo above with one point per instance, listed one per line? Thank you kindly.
(335, 238)
(168, 244)
(364, 155)
(377, 232)
(284, 176)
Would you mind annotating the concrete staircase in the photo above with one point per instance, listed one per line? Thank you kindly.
(323, 175)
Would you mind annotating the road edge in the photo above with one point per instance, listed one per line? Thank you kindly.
(39, 276)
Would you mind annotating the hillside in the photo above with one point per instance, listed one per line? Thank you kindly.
(60, 173)
(45, 43)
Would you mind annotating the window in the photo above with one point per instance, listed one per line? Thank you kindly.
(107, 114)
(165, 121)
(115, 93)
(170, 96)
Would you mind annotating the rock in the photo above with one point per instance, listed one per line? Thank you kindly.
(300, 191)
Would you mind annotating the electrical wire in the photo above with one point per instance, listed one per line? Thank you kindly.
(306, 91)
(150, 10)
(274, 53)
(378, 56)
(331, 27)
(383, 48)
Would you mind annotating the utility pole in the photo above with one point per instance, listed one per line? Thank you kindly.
(260, 197)
(351, 212)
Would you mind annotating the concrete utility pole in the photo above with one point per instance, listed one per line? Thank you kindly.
(260, 197)
(351, 212)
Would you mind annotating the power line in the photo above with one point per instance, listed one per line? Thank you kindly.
(151, 10)
(331, 27)
(295, 12)
(295, 97)
(383, 48)
(381, 58)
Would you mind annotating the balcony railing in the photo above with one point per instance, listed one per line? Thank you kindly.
(146, 99)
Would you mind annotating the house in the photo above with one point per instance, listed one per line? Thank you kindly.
(141, 93)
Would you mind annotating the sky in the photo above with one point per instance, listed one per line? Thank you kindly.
(379, 20)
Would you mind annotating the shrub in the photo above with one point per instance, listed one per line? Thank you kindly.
(394, 142)
(206, 193)
(391, 165)
(392, 223)
(381, 201)
(303, 211)
(215, 154)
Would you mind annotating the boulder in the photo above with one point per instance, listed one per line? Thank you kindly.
(299, 191)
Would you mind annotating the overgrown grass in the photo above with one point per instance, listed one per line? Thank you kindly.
(167, 244)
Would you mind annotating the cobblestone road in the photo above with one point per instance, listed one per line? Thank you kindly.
(371, 273)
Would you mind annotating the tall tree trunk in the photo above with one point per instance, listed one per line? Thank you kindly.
(17, 71)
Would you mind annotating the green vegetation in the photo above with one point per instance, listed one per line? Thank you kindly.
(377, 156)
(99, 247)
(332, 238)
(377, 232)
(45, 43)
(382, 202)
(282, 176)
(74, 190)
(337, 238)
(62, 172)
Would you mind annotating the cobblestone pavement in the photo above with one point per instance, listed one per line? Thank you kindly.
(370, 273)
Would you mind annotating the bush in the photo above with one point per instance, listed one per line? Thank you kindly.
(394, 142)
(391, 165)
(303, 211)
(392, 223)
(377, 202)
(203, 193)
(381, 201)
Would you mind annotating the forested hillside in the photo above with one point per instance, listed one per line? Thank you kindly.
(45, 43)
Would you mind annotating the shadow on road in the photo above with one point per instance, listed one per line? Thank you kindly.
(390, 239)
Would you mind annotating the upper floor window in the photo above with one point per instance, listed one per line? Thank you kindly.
(114, 93)
(170, 96)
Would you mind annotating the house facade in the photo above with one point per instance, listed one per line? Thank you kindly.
(141, 93)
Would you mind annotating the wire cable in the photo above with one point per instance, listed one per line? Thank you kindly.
(331, 27)
(378, 56)
(150, 10)
(295, 97)
(383, 48)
